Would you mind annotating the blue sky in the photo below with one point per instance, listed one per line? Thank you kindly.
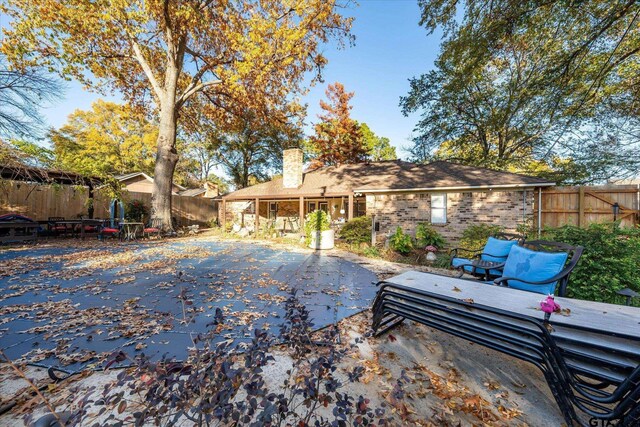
(390, 48)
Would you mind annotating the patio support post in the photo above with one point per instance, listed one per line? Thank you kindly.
(257, 222)
(350, 210)
(301, 214)
(223, 219)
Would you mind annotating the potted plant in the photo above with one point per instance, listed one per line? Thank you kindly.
(317, 227)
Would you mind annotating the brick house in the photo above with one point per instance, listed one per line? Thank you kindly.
(395, 193)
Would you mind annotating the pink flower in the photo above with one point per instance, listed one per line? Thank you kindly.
(431, 248)
(549, 306)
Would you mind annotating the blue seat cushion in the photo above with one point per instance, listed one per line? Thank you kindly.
(497, 249)
(533, 266)
(457, 262)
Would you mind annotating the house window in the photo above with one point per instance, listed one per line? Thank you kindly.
(359, 208)
(273, 210)
(323, 206)
(438, 209)
(311, 206)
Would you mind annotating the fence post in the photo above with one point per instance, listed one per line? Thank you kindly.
(539, 211)
(581, 206)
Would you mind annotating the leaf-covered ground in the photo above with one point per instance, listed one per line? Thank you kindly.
(70, 304)
(446, 381)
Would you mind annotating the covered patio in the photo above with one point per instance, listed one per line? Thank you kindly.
(286, 214)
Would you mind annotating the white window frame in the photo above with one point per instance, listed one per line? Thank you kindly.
(440, 209)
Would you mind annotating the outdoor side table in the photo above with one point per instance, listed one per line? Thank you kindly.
(131, 230)
(486, 265)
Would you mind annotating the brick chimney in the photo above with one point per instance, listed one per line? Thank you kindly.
(292, 168)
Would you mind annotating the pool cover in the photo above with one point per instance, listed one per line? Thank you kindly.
(69, 307)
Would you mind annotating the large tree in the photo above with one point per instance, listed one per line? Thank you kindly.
(252, 153)
(338, 137)
(243, 143)
(22, 94)
(174, 50)
(378, 147)
(110, 139)
(524, 83)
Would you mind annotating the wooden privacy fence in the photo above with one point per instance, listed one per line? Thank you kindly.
(39, 202)
(185, 210)
(584, 205)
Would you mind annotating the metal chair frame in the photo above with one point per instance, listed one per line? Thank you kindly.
(574, 252)
(577, 380)
(477, 254)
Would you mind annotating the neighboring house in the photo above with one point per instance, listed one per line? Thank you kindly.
(140, 182)
(193, 192)
(396, 193)
(209, 191)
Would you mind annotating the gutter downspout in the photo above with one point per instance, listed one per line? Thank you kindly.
(524, 207)
(373, 221)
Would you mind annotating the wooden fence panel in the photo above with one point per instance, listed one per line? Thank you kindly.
(40, 202)
(186, 210)
(584, 205)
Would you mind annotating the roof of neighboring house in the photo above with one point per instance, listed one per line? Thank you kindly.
(128, 176)
(19, 172)
(390, 176)
(192, 192)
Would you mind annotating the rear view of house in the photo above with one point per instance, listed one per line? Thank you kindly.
(395, 193)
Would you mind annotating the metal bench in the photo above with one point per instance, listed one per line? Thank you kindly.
(590, 357)
(18, 231)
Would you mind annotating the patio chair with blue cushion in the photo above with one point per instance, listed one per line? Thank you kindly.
(492, 256)
(540, 266)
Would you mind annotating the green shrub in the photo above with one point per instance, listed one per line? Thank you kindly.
(426, 235)
(475, 236)
(135, 210)
(610, 262)
(526, 228)
(400, 242)
(358, 230)
(316, 221)
(371, 252)
(442, 261)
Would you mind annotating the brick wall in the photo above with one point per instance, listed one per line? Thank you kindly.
(503, 208)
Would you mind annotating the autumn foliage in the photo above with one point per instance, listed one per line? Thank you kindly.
(252, 53)
(338, 138)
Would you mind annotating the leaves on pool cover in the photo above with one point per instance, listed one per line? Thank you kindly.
(101, 296)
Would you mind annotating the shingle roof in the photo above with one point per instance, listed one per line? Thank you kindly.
(396, 175)
(191, 192)
(130, 175)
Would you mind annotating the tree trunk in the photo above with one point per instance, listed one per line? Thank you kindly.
(166, 159)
